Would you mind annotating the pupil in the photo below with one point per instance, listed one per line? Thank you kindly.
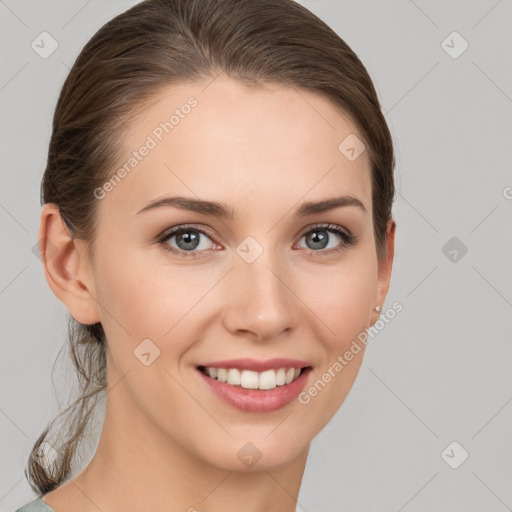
(318, 239)
(190, 239)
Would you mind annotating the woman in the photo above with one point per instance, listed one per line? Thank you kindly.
(217, 221)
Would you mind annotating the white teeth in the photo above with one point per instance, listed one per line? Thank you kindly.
(233, 377)
(249, 379)
(267, 380)
(281, 377)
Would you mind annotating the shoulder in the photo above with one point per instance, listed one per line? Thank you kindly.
(37, 505)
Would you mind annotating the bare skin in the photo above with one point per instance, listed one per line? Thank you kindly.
(168, 442)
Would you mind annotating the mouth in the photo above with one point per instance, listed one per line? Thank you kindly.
(250, 379)
(252, 391)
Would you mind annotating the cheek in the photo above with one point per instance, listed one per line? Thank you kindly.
(341, 297)
(341, 300)
(352, 309)
(146, 297)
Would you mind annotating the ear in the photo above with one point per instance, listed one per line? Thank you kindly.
(384, 272)
(66, 266)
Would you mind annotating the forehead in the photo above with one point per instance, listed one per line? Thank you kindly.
(246, 146)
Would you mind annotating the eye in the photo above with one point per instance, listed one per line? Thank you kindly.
(187, 240)
(319, 238)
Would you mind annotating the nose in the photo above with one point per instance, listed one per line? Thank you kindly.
(260, 300)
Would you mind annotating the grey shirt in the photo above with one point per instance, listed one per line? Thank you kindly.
(37, 505)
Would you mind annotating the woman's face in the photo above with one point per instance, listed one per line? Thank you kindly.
(261, 282)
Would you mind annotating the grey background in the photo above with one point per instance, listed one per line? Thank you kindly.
(440, 371)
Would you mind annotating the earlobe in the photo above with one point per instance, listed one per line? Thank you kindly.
(61, 255)
(385, 266)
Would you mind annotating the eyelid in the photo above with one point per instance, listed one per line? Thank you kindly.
(324, 225)
(183, 227)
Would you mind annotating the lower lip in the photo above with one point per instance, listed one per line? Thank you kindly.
(257, 400)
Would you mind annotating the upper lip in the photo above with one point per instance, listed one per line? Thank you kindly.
(257, 366)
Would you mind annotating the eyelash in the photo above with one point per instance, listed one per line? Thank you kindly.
(348, 239)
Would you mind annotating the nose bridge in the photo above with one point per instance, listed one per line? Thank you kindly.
(260, 300)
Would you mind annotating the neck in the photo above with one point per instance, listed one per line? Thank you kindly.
(137, 467)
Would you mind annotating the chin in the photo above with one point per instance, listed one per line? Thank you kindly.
(256, 453)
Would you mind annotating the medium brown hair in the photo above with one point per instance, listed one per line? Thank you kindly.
(134, 56)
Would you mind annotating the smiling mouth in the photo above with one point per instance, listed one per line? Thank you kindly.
(249, 379)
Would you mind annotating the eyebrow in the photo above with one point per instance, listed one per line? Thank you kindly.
(221, 210)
